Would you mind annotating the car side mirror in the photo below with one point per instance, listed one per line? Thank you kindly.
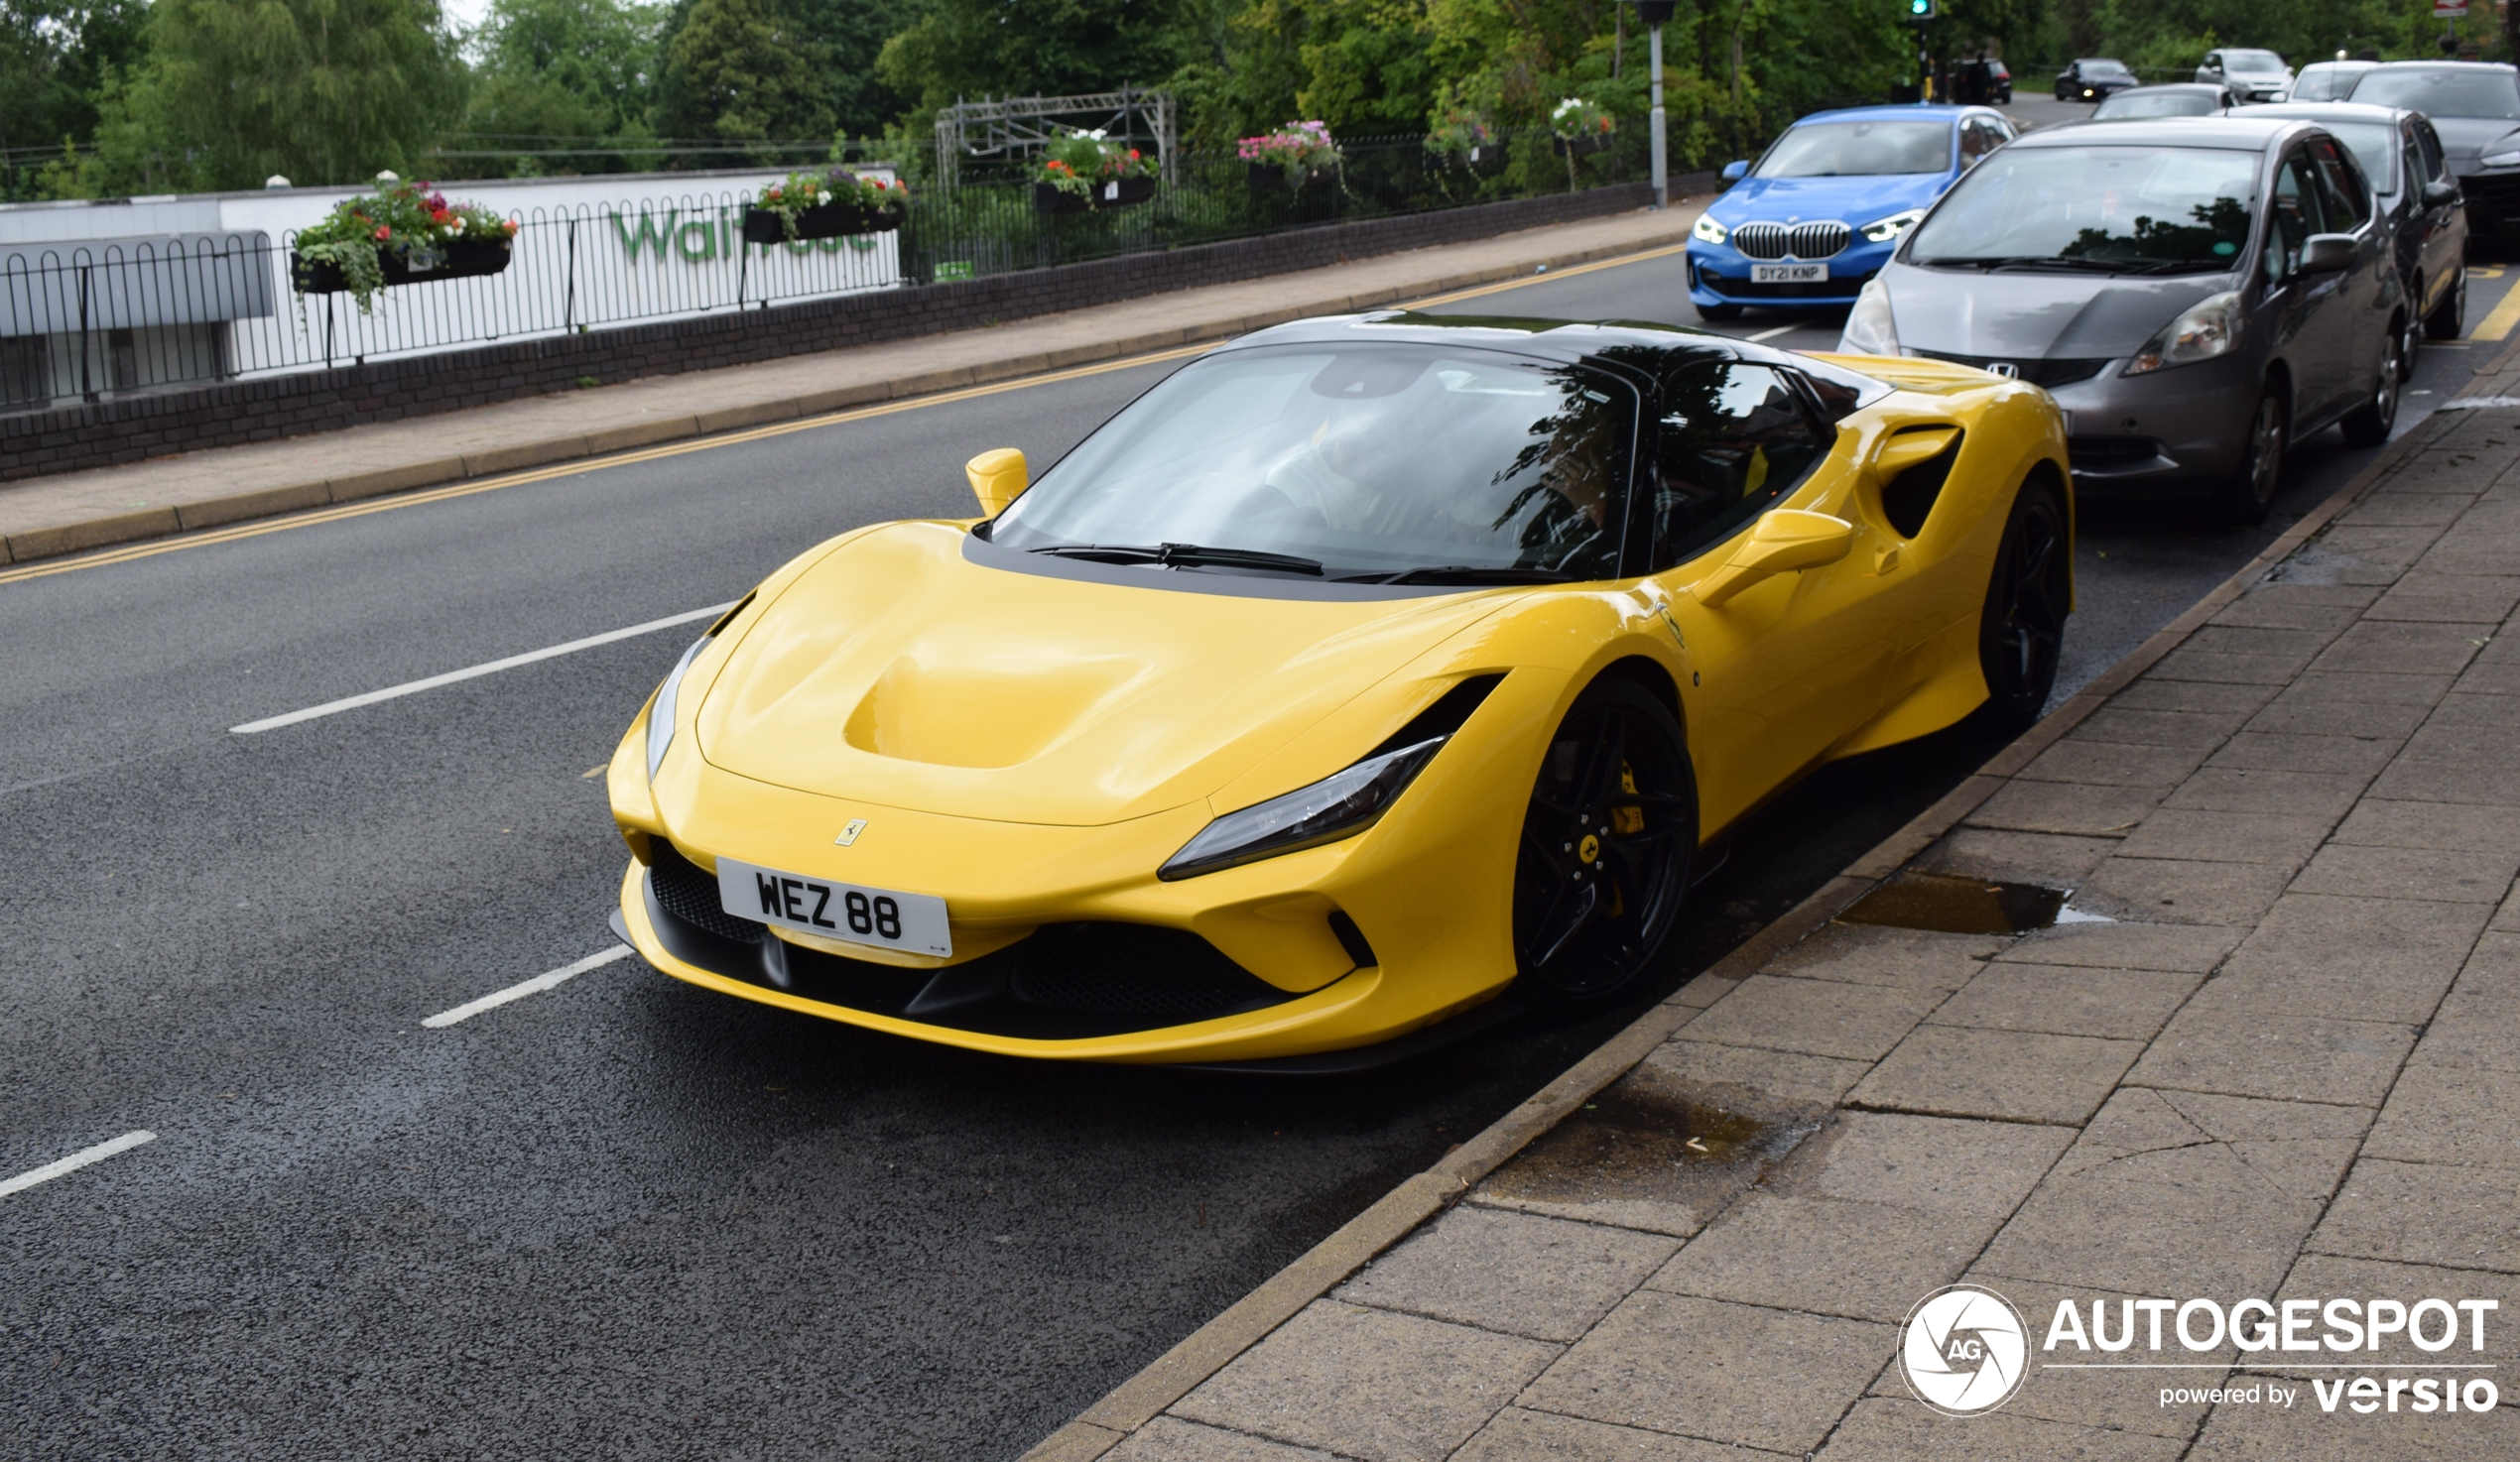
(1784, 540)
(998, 479)
(2329, 253)
(2441, 193)
(1736, 170)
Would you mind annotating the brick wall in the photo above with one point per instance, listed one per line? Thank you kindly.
(72, 438)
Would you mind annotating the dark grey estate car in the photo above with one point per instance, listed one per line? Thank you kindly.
(2475, 107)
(2198, 294)
(2417, 201)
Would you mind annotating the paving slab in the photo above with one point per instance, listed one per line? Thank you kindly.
(1520, 1435)
(1170, 1439)
(2381, 823)
(2450, 1114)
(2087, 809)
(2478, 1022)
(1825, 1256)
(2066, 1000)
(1521, 1273)
(1822, 1017)
(1918, 960)
(2054, 860)
(2059, 1388)
(2368, 959)
(1933, 1165)
(1715, 1370)
(2128, 947)
(2237, 1050)
(2302, 1432)
(2193, 1220)
(1352, 1380)
(1884, 1428)
(2323, 1276)
(2425, 1213)
(2228, 838)
(2182, 891)
(2009, 1075)
(2449, 875)
(2302, 1148)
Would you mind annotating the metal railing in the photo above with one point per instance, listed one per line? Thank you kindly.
(87, 323)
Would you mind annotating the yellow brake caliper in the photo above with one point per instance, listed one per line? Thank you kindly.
(1626, 822)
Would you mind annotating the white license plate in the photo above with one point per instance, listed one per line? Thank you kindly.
(1788, 274)
(881, 917)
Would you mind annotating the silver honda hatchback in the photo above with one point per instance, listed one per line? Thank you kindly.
(2198, 294)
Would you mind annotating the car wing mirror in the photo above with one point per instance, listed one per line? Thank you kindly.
(998, 479)
(2440, 193)
(1784, 540)
(1736, 170)
(2327, 253)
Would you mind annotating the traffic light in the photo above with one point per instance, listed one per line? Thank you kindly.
(1920, 9)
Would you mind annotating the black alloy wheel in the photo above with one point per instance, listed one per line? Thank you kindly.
(2369, 424)
(2448, 318)
(2021, 630)
(1606, 848)
(2250, 496)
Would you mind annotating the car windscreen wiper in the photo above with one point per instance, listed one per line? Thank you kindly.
(1462, 573)
(1182, 556)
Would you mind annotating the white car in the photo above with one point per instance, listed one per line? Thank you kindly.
(2253, 76)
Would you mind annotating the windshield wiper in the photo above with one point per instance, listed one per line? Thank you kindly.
(1182, 556)
(1462, 573)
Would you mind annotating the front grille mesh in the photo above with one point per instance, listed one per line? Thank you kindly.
(1821, 240)
(2493, 202)
(684, 891)
(1124, 969)
(2101, 453)
(2062, 372)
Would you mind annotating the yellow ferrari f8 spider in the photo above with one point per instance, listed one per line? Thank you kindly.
(1363, 671)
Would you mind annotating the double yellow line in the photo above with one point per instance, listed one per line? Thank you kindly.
(422, 496)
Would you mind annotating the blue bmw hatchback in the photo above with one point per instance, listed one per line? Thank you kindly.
(1819, 212)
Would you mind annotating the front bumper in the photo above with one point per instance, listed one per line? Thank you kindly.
(1719, 273)
(2163, 434)
(2493, 202)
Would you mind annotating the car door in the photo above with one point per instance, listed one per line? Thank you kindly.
(1792, 664)
(2367, 293)
(2444, 245)
(2308, 337)
(2211, 70)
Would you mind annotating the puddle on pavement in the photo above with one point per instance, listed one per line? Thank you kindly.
(1957, 905)
(1641, 1140)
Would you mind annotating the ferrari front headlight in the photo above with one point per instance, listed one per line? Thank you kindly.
(1870, 328)
(2204, 330)
(1707, 231)
(661, 711)
(1339, 806)
(2503, 159)
(1883, 230)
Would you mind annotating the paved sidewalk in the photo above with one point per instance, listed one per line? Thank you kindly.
(2280, 1062)
(49, 516)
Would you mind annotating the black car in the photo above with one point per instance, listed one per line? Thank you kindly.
(2474, 106)
(2416, 200)
(2092, 78)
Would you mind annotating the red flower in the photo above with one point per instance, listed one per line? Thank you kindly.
(383, 233)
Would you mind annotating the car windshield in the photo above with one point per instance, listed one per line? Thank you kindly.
(2325, 84)
(2156, 104)
(1370, 461)
(2157, 209)
(2253, 63)
(1858, 150)
(2437, 92)
(2375, 146)
(2104, 69)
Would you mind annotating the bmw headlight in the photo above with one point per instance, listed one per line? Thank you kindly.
(1870, 328)
(661, 713)
(1883, 230)
(2204, 330)
(1707, 231)
(2503, 159)
(1336, 806)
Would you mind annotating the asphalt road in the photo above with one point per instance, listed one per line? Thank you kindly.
(625, 1217)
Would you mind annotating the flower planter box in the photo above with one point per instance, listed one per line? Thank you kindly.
(460, 259)
(1124, 192)
(829, 222)
(1576, 146)
(1048, 198)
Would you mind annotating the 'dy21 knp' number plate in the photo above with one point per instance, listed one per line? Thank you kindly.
(1788, 274)
(813, 906)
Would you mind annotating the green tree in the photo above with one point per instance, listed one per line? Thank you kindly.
(55, 58)
(553, 70)
(851, 34)
(320, 92)
(1019, 47)
(744, 72)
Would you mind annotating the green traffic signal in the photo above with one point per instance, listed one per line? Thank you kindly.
(1920, 9)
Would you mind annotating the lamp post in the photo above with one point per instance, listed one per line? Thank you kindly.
(1654, 13)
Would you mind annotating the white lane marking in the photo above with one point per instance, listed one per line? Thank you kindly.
(75, 1160)
(413, 688)
(1772, 335)
(535, 985)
